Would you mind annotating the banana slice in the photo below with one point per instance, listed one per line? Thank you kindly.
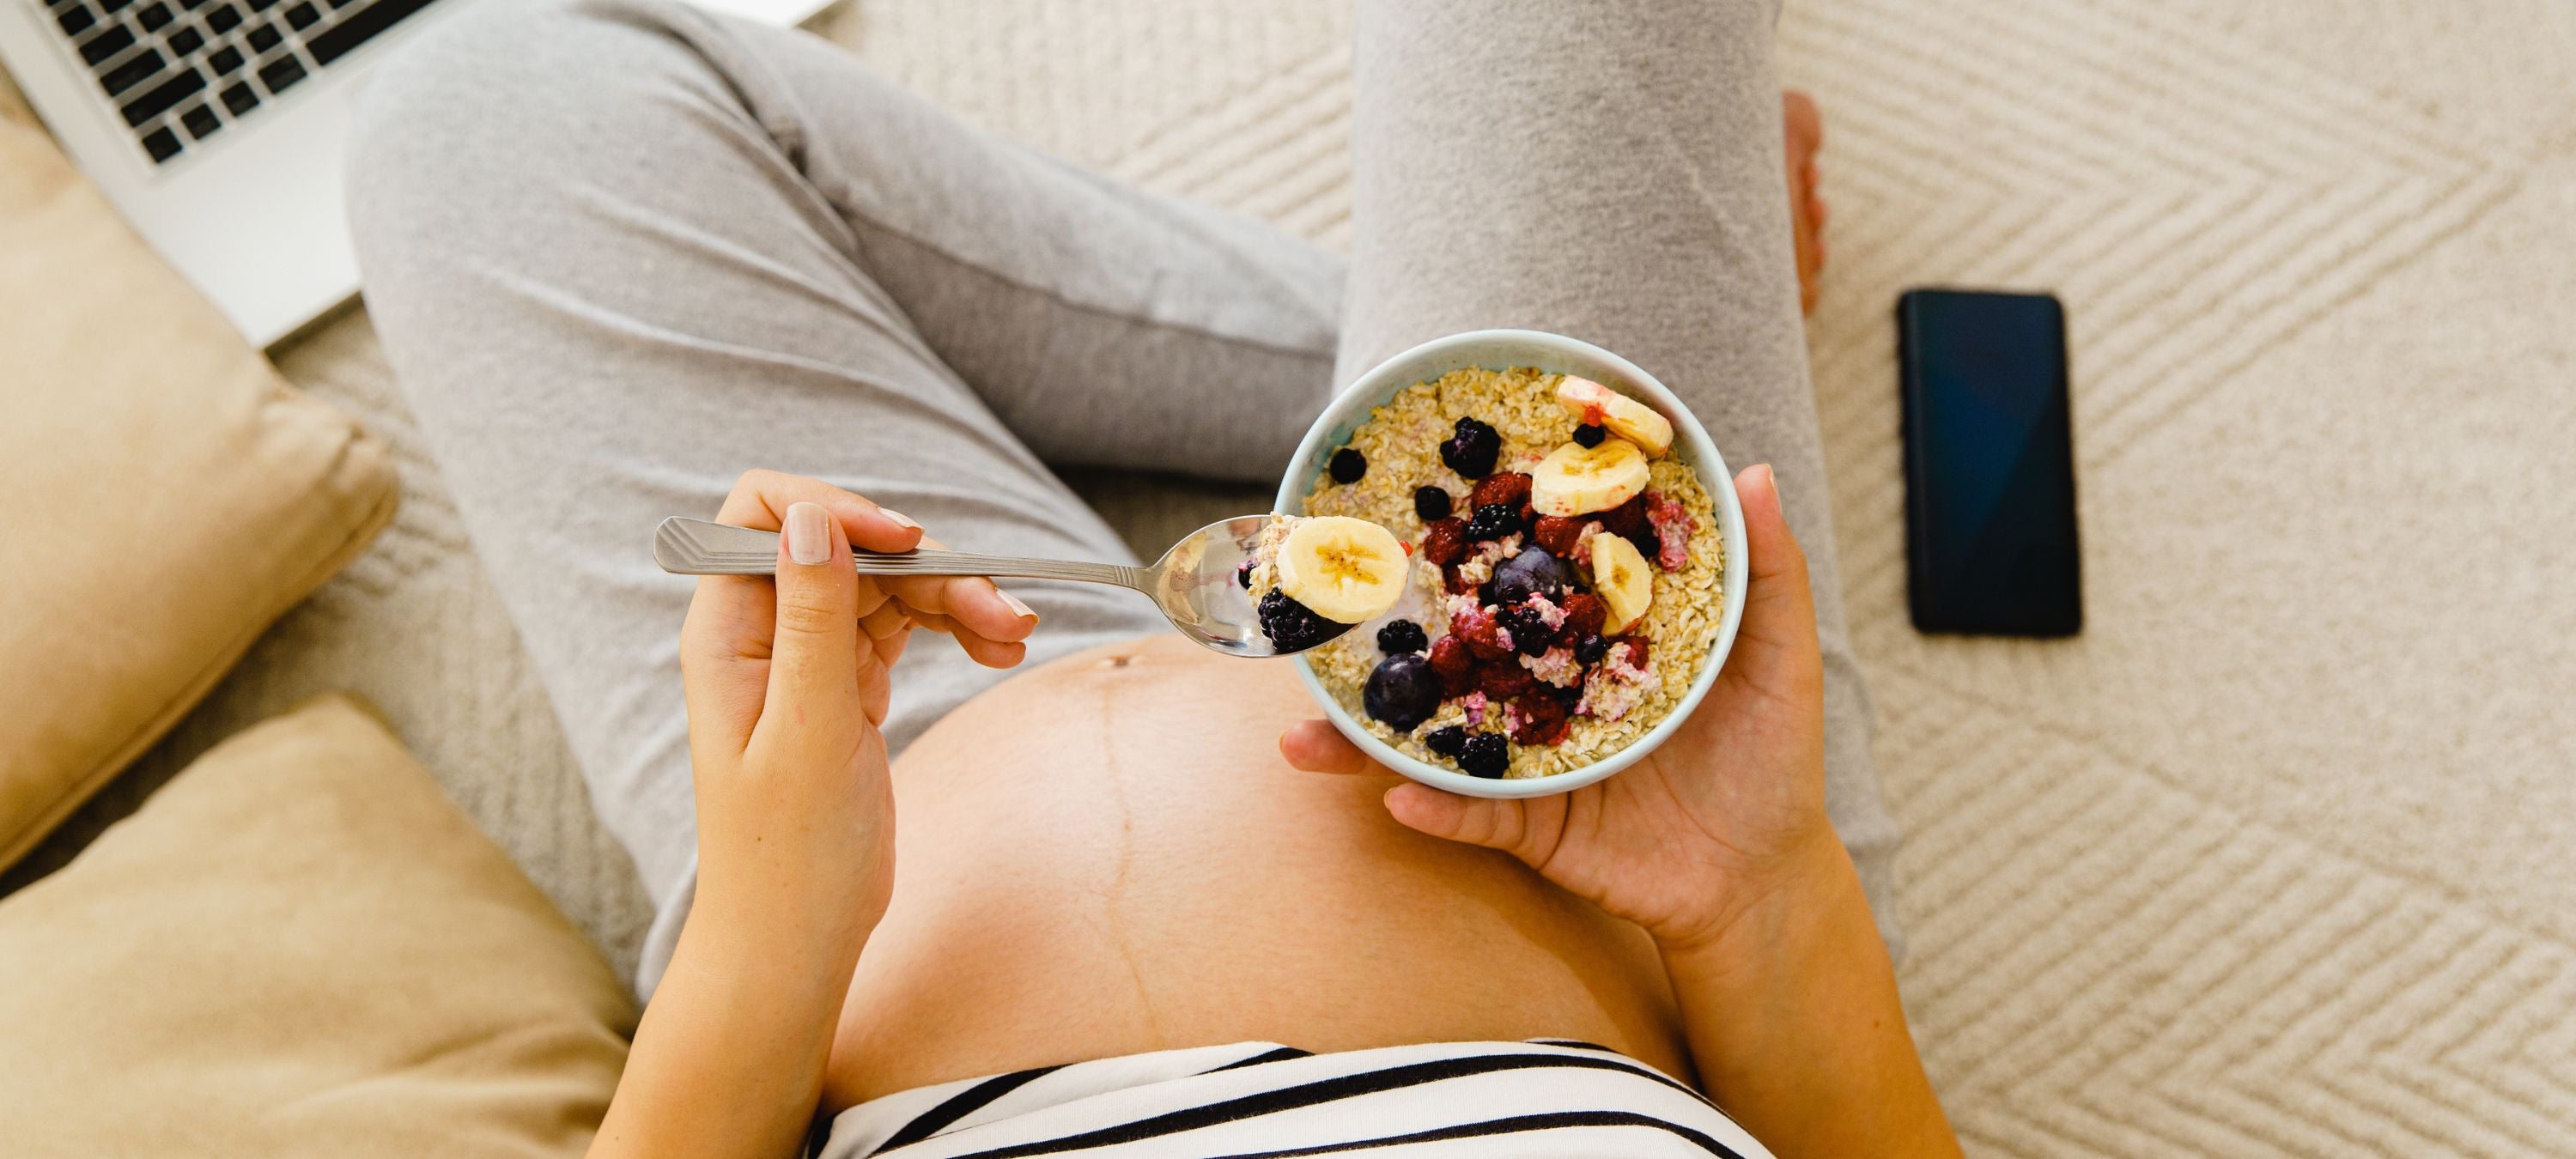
(1622, 580)
(1345, 570)
(1625, 416)
(1578, 480)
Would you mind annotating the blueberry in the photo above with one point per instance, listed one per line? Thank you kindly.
(1591, 649)
(1531, 573)
(1401, 636)
(1403, 692)
(1348, 465)
(1486, 755)
(1243, 575)
(1494, 521)
(1590, 435)
(1447, 742)
(1431, 503)
(1471, 449)
(1292, 626)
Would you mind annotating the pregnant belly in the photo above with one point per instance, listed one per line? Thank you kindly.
(1107, 855)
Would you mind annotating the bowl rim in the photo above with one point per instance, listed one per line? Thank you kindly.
(1571, 356)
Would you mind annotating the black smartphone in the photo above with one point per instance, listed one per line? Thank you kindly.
(1989, 464)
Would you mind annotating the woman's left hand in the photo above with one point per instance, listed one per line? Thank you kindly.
(1727, 813)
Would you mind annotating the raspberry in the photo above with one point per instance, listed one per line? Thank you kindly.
(1450, 654)
(1503, 679)
(1637, 650)
(1450, 657)
(1539, 720)
(1557, 534)
(1483, 636)
(1627, 518)
(1443, 541)
(1584, 615)
(1509, 488)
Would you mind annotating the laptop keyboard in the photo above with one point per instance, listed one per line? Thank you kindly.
(182, 70)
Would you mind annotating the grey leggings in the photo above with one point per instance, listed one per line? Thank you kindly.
(621, 250)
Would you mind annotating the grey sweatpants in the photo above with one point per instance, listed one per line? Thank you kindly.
(621, 250)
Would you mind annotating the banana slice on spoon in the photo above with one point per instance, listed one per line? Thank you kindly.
(1343, 569)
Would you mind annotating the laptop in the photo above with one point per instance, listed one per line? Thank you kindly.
(216, 126)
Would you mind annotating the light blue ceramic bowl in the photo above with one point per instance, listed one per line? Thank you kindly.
(1503, 350)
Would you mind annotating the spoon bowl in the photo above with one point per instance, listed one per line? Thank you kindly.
(1196, 583)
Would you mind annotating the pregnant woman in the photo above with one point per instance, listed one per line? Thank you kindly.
(1130, 900)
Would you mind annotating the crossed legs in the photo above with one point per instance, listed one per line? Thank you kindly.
(621, 250)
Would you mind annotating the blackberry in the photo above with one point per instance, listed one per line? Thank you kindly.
(1494, 521)
(1590, 649)
(1431, 503)
(1402, 636)
(1292, 626)
(1348, 465)
(1471, 449)
(1486, 755)
(1447, 742)
(1530, 634)
(1589, 435)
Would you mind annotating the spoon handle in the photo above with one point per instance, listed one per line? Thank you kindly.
(698, 547)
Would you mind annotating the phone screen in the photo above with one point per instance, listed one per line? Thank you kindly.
(1989, 464)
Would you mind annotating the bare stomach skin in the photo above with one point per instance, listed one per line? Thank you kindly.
(1107, 855)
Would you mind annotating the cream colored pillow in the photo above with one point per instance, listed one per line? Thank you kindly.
(299, 947)
(163, 495)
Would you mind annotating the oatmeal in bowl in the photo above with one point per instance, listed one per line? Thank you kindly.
(1572, 562)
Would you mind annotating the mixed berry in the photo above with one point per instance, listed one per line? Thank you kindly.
(1526, 643)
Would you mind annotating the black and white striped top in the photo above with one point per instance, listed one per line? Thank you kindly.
(1563, 1100)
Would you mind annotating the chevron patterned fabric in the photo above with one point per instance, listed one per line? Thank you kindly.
(2279, 859)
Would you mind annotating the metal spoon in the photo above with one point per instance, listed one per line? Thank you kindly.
(1195, 582)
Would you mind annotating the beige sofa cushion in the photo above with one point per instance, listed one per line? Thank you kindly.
(299, 947)
(166, 495)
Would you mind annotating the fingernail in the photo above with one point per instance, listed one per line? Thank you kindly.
(899, 517)
(809, 533)
(1017, 606)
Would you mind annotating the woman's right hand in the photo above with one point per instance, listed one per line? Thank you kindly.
(788, 682)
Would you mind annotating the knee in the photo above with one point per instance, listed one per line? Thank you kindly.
(504, 102)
